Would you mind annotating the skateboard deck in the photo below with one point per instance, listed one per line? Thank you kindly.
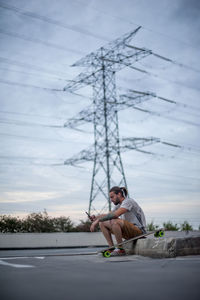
(157, 233)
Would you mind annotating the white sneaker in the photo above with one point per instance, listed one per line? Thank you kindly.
(118, 252)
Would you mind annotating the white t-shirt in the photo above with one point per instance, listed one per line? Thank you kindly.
(134, 214)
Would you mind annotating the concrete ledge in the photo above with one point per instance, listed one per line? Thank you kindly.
(188, 246)
(165, 247)
(171, 245)
(51, 240)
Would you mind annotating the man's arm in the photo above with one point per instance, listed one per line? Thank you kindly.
(113, 215)
(108, 217)
(94, 218)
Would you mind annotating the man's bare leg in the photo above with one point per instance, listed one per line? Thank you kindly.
(106, 230)
(116, 226)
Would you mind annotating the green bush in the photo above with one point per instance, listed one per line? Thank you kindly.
(151, 226)
(41, 222)
(38, 222)
(186, 226)
(10, 224)
(171, 227)
(35, 222)
(63, 224)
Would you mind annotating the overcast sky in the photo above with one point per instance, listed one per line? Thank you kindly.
(39, 41)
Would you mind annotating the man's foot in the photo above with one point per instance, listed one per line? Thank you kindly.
(118, 252)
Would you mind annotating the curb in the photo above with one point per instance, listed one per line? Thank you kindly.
(165, 247)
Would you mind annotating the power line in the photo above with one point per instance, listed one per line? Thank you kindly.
(132, 92)
(39, 41)
(30, 115)
(23, 123)
(131, 142)
(165, 79)
(17, 157)
(191, 147)
(58, 126)
(158, 114)
(30, 66)
(51, 21)
(147, 73)
(32, 124)
(13, 83)
(26, 65)
(32, 74)
(183, 147)
(175, 62)
(6, 60)
(136, 24)
(42, 139)
(167, 59)
(176, 102)
(133, 98)
(82, 31)
(24, 160)
(31, 164)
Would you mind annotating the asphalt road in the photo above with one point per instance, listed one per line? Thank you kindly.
(94, 277)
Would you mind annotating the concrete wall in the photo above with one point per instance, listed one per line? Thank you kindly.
(48, 240)
(171, 245)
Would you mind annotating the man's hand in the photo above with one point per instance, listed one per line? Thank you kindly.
(94, 224)
(93, 218)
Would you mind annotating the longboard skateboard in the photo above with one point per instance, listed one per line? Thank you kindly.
(157, 233)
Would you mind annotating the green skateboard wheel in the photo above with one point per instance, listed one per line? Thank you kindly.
(106, 253)
(161, 233)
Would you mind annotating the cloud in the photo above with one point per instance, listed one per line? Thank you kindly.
(172, 206)
(29, 196)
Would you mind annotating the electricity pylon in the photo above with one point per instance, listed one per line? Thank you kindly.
(102, 66)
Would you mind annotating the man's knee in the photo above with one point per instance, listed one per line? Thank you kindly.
(113, 222)
(104, 224)
(117, 222)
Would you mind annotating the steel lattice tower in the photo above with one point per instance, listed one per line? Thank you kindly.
(107, 158)
(102, 66)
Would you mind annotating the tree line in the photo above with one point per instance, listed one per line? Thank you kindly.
(42, 222)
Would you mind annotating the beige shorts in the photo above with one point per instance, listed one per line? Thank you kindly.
(129, 230)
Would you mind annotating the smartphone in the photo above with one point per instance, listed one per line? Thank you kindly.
(88, 215)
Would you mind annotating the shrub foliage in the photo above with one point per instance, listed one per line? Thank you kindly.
(42, 222)
(169, 226)
(36, 222)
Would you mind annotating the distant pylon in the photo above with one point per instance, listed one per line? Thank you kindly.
(102, 66)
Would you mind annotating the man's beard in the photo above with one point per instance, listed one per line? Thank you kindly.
(117, 201)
